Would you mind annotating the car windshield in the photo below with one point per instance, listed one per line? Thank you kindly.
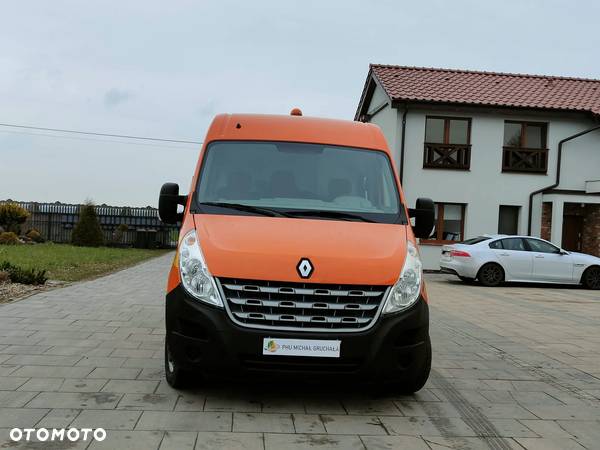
(298, 180)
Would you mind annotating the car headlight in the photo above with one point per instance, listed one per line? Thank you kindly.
(195, 277)
(407, 289)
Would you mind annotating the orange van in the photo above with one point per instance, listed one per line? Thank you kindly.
(296, 257)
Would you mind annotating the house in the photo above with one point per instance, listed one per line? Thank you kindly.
(497, 152)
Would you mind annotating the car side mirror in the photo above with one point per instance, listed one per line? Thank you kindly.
(424, 214)
(168, 201)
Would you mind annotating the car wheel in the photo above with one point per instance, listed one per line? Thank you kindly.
(491, 274)
(175, 375)
(591, 278)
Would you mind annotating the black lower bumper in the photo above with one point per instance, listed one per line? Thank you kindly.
(203, 338)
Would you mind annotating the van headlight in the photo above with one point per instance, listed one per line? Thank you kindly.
(407, 289)
(195, 277)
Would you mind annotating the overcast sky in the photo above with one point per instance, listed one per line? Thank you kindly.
(164, 69)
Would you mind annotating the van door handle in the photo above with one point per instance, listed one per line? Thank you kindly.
(539, 256)
(504, 254)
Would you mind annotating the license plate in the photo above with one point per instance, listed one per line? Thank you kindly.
(301, 347)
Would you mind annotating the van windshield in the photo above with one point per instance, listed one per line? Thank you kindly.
(298, 180)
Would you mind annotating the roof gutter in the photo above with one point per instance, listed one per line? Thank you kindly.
(557, 182)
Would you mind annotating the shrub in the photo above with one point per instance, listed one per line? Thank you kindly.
(12, 216)
(118, 234)
(4, 276)
(87, 232)
(24, 276)
(35, 236)
(9, 238)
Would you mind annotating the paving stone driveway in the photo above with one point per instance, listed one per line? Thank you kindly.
(514, 367)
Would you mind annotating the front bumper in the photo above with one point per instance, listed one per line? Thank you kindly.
(203, 338)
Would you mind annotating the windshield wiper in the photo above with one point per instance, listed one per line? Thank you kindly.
(247, 208)
(331, 215)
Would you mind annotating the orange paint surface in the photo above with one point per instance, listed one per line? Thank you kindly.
(256, 247)
(269, 248)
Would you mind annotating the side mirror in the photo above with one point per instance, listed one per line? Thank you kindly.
(168, 200)
(424, 215)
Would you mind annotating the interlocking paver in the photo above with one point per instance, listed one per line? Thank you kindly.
(178, 440)
(513, 367)
(549, 444)
(546, 428)
(393, 442)
(131, 386)
(309, 424)
(42, 384)
(15, 399)
(148, 402)
(263, 422)
(130, 440)
(12, 383)
(58, 418)
(468, 443)
(109, 420)
(16, 417)
(185, 421)
(313, 441)
(82, 385)
(229, 441)
(51, 371)
(82, 400)
(229, 403)
(432, 426)
(114, 373)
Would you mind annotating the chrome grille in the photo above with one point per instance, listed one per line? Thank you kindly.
(301, 306)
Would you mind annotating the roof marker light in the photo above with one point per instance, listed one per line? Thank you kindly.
(296, 112)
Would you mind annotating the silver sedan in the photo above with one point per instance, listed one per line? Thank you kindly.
(494, 259)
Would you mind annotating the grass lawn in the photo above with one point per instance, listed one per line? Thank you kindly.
(69, 263)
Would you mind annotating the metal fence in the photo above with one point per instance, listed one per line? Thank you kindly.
(55, 222)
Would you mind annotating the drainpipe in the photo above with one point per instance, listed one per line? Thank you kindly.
(557, 182)
(402, 145)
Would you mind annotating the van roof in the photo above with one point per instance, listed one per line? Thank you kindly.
(296, 129)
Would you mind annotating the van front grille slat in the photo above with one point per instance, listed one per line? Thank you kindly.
(302, 306)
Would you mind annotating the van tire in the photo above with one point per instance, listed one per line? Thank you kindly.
(416, 383)
(491, 274)
(175, 375)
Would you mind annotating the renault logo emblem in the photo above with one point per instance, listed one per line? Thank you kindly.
(304, 268)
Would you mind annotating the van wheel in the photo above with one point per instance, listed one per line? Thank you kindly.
(176, 377)
(591, 278)
(416, 383)
(491, 274)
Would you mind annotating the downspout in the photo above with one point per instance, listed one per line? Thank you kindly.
(557, 182)
(402, 144)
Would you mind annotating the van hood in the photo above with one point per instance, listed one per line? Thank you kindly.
(270, 248)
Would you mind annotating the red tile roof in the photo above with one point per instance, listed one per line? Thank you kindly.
(420, 84)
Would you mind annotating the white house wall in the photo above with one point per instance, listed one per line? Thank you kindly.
(387, 120)
(485, 187)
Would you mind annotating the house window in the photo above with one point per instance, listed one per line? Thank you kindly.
(449, 224)
(508, 219)
(525, 148)
(447, 143)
